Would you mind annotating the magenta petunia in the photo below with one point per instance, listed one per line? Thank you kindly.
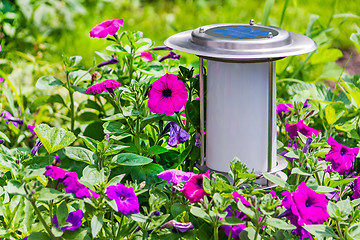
(107, 86)
(1, 79)
(356, 193)
(109, 27)
(305, 207)
(193, 189)
(175, 176)
(306, 104)
(293, 129)
(146, 56)
(74, 218)
(7, 116)
(283, 108)
(167, 95)
(55, 172)
(125, 198)
(341, 157)
(31, 128)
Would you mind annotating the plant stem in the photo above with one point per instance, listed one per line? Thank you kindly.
(339, 230)
(38, 213)
(216, 232)
(72, 110)
(119, 230)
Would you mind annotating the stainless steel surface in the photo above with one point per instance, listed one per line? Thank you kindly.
(270, 114)
(202, 128)
(208, 45)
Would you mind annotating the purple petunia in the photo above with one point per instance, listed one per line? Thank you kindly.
(31, 128)
(125, 198)
(293, 129)
(306, 104)
(2, 141)
(162, 48)
(70, 182)
(7, 116)
(238, 228)
(283, 153)
(171, 55)
(109, 27)
(177, 135)
(178, 226)
(341, 157)
(74, 218)
(36, 147)
(175, 176)
(108, 62)
(283, 108)
(356, 193)
(303, 207)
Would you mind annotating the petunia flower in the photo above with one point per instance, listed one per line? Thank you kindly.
(283, 153)
(1, 79)
(293, 129)
(74, 218)
(171, 55)
(25, 238)
(193, 189)
(107, 85)
(177, 135)
(109, 27)
(0, 48)
(146, 56)
(36, 147)
(273, 194)
(125, 198)
(238, 228)
(167, 95)
(55, 172)
(178, 226)
(341, 157)
(161, 48)
(108, 62)
(7, 116)
(283, 108)
(198, 139)
(306, 104)
(356, 193)
(31, 128)
(2, 141)
(175, 176)
(305, 207)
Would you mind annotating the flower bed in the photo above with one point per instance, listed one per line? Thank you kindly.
(119, 160)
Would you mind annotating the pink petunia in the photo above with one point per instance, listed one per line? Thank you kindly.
(193, 189)
(1, 79)
(293, 129)
(175, 176)
(109, 27)
(107, 86)
(146, 56)
(167, 95)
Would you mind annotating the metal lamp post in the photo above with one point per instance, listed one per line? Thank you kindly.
(241, 90)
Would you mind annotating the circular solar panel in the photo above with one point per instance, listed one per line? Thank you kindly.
(241, 42)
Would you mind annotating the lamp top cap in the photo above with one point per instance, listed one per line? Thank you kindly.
(241, 42)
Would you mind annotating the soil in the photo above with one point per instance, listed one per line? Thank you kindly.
(353, 67)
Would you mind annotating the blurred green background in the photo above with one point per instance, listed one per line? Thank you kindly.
(40, 32)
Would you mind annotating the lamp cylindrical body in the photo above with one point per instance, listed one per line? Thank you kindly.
(240, 115)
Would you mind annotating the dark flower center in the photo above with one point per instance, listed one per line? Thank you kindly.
(343, 151)
(199, 182)
(308, 203)
(167, 92)
(122, 197)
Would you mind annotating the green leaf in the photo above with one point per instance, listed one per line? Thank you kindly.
(16, 188)
(198, 212)
(248, 234)
(93, 176)
(114, 128)
(336, 183)
(62, 213)
(230, 221)
(48, 82)
(74, 60)
(47, 194)
(115, 180)
(114, 117)
(325, 55)
(280, 224)
(3, 136)
(147, 173)
(320, 230)
(192, 111)
(38, 235)
(90, 143)
(80, 154)
(96, 224)
(130, 159)
(322, 189)
(300, 171)
(79, 234)
(114, 149)
(275, 179)
(354, 231)
(53, 138)
(334, 111)
(116, 48)
(40, 101)
(155, 150)
(245, 209)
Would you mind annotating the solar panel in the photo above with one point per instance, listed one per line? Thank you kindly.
(241, 32)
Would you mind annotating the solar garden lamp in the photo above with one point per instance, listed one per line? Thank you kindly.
(241, 90)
